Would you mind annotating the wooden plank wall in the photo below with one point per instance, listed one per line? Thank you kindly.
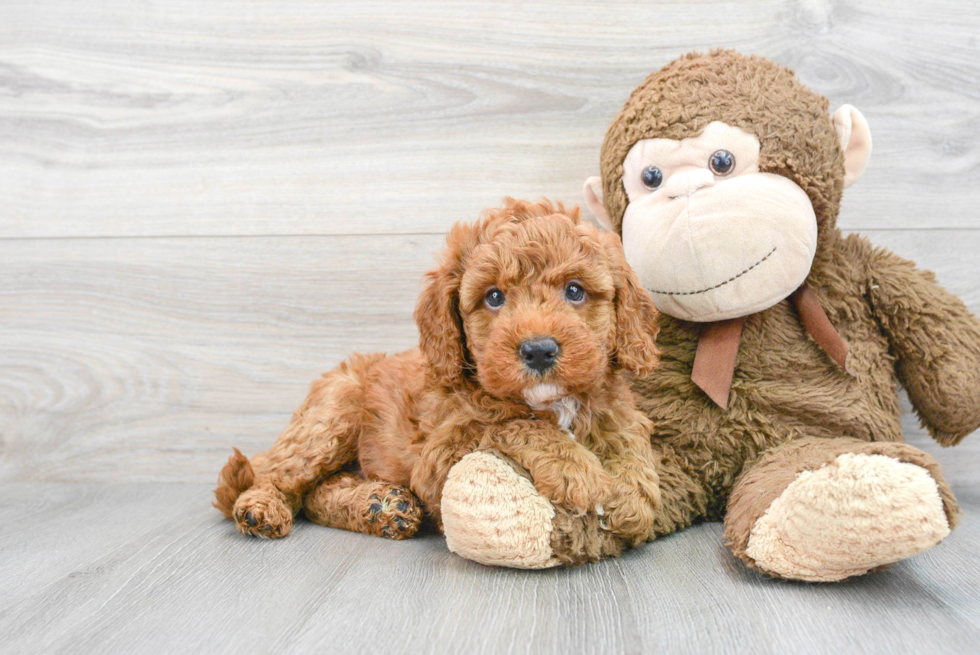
(204, 204)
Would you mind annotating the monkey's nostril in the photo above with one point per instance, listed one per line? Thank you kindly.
(539, 353)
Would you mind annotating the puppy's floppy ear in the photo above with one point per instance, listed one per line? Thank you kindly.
(636, 316)
(441, 337)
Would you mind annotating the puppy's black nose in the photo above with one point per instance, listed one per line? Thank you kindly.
(539, 354)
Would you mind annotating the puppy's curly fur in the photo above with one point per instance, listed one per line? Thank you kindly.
(378, 434)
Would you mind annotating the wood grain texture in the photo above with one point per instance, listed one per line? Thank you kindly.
(134, 357)
(149, 568)
(221, 118)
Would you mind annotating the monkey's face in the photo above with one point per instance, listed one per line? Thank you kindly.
(709, 235)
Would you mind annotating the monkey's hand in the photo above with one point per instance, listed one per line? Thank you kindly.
(936, 340)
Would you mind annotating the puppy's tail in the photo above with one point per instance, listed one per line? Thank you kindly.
(235, 478)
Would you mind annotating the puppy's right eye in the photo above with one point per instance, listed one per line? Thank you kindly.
(494, 299)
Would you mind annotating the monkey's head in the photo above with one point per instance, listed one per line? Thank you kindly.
(723, 174)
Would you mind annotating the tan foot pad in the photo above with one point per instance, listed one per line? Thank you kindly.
(854, 514)
(495, 516)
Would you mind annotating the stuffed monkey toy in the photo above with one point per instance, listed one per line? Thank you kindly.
(775, 405)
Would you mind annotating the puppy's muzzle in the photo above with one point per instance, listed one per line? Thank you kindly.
(539, 353)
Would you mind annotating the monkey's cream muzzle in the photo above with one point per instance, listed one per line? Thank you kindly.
(723, 250)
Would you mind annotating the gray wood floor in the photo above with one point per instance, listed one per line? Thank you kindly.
(205, 203)
(131, 567)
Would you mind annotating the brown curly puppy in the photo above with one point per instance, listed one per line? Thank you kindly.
(525, 328)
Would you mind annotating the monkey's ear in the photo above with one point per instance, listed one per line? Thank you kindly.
(636, 316)
(593, 198)
(854, 136)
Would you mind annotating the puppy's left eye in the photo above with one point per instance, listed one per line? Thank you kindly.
(574, 293)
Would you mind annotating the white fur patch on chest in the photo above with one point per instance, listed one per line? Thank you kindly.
(551, 397)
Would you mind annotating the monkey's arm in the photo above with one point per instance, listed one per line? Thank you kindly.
(937, 343)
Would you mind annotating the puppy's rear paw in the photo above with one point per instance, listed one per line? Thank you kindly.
(263, 513)
(393, 513)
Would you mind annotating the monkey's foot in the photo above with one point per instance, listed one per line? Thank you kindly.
(859, 512)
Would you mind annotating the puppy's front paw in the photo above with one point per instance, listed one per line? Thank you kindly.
(262, 513)
(631, 517)
(577, 486)
(631, 508)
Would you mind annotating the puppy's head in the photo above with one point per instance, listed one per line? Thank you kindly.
(531, 303)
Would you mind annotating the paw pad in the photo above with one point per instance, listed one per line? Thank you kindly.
(397, 516)
(261, 515)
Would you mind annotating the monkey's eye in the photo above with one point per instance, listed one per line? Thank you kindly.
(721, 162)
(652, 177)
(494, 298)
(575, 292)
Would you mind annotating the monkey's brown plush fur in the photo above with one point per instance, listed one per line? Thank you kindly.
(793, 412)
(379, 434)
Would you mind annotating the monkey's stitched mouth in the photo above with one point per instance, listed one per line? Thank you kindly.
(712, 288)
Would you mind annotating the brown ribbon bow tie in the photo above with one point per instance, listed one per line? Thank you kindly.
(714, 362)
